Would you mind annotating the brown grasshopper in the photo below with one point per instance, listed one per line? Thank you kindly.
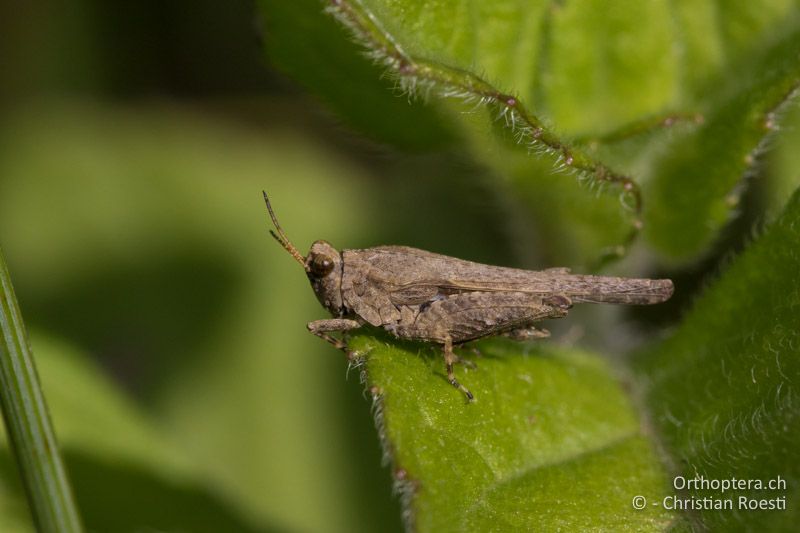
(423, 296)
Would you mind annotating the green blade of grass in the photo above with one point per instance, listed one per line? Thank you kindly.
(28, 422)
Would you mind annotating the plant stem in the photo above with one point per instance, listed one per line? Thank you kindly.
(33, 441)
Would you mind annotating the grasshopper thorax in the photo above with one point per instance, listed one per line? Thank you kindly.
(324, 269)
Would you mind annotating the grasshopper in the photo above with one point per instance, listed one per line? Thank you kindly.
(423, 296)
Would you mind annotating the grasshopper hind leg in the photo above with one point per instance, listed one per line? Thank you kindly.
(527, 333)
(449, 360)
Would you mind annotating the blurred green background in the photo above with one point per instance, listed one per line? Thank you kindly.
(169, 328)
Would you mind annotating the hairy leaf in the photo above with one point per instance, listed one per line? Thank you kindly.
(550, 442)
(785, 164)
(593, 85)
(698, 181)
(723, 390)
(588, 75)
(330, 65)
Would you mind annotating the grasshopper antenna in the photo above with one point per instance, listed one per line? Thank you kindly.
(281, 236)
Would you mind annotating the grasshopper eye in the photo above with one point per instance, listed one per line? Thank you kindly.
(321, 265)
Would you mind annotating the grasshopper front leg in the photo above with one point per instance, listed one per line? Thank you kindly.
(321, 328)
(449, 359)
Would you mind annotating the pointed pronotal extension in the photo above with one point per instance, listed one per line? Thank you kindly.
(600, 289)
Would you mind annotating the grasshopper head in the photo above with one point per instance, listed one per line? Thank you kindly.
(323, 265)
(324, 268)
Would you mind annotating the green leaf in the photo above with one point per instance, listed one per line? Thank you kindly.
(608, 64)
(564, 221)
(345, 80)
(785, 164)
(592, 71)
(711, 40)
(595, 77)
(550, 442)
(723, 389)
(432, 70)
(697, 182)
(583, 64)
